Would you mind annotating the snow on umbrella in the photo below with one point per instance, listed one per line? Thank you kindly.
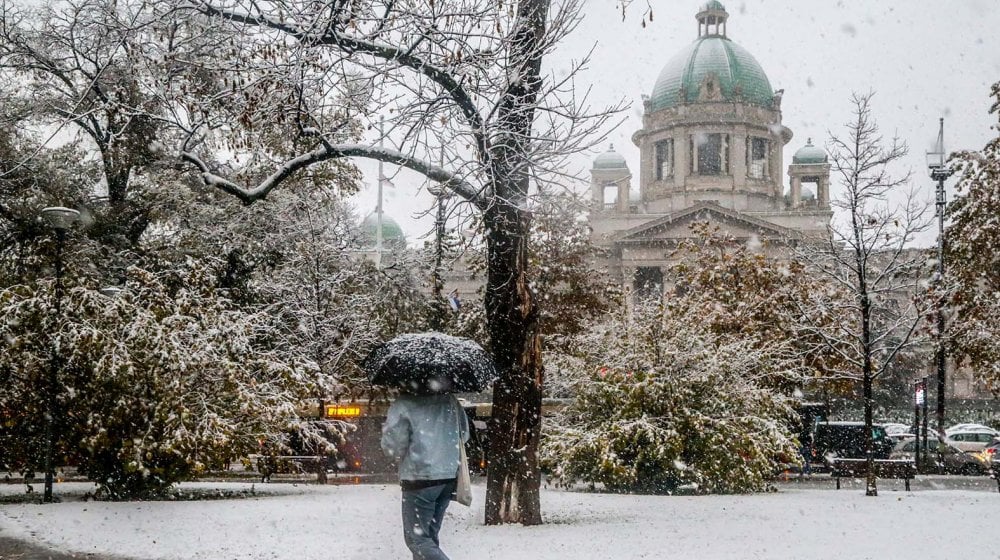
(430, 363)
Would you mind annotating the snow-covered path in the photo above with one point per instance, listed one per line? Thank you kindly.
(362, 523)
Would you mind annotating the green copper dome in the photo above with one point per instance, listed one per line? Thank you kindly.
(809, 154)
(712, 69)
(392, 234)
(740, 76)
(610, 160)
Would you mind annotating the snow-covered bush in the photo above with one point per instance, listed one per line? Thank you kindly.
(668, 403)
(153, 386)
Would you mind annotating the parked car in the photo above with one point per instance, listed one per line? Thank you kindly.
(895, 428)
(847, 440)
(970, 440)
(971, 427)
(991, 453)
(942, 455)
(898, 437)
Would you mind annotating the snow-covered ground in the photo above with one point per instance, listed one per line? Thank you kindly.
(362, 522)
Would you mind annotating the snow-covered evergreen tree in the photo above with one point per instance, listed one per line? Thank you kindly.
(666, 402)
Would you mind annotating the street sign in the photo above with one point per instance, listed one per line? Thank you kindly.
(920, 392)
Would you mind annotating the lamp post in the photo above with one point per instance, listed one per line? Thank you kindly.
(442, 195)
(60, 219)
(939, 172)
(110, 291)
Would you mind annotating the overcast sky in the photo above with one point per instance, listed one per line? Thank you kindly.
(925, 59)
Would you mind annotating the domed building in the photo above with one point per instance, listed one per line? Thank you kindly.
(710, 149)
(392, 233)
(393, 238)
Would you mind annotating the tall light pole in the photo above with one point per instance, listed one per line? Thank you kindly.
(378, 207)
(60, 219)
(441, 194)
(939, 172)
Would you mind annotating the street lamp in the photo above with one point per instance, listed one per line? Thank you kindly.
(110, 291)
(939, 172)
(60, 219)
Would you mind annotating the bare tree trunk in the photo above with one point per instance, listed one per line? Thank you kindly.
(513, 478)
(867, 373)
(870, 487)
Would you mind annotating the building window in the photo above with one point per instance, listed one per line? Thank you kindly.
(648, 283)
(610, 196)
(664, 159)
(757, 158)
(710, 154)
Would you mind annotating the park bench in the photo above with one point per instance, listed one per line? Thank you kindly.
(295, 464)
(884, 468)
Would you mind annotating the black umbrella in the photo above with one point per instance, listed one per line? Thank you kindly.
(430, 363)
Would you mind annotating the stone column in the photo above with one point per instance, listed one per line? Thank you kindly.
(681, 161)
(647, 160)
(624, 186)
(823, 192)
(796, 191)
(775, 156)
(694, 156)
(738, 158)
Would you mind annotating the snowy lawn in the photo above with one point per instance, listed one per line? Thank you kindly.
(362, 523)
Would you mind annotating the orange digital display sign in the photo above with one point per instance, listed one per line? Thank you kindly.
(343, 410)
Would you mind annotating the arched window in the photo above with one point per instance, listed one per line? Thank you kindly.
(664, 159)
(710, 154)
(757, 158)
(610, 195)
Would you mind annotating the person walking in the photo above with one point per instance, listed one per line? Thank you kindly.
(423, 435)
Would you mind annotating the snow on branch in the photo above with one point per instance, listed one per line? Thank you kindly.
(333, 151)
(404, 56)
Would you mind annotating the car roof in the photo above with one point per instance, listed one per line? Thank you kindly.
(972, 431)
(970, 427)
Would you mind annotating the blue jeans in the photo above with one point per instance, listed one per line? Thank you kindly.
(423, 511)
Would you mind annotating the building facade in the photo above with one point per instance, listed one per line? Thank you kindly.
(710, 150)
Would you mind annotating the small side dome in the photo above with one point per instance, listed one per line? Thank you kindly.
(392, 234)
(713, 5)
(810, 154)
(610, 160)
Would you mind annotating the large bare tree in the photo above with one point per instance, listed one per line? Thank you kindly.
(72, 73)
(869, 255)
(411, 78)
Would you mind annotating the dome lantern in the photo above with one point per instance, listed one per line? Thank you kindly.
(712, 19)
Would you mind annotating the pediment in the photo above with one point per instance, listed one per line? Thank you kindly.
(677, 225)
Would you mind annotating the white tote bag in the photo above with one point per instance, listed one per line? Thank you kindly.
(463, 490)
